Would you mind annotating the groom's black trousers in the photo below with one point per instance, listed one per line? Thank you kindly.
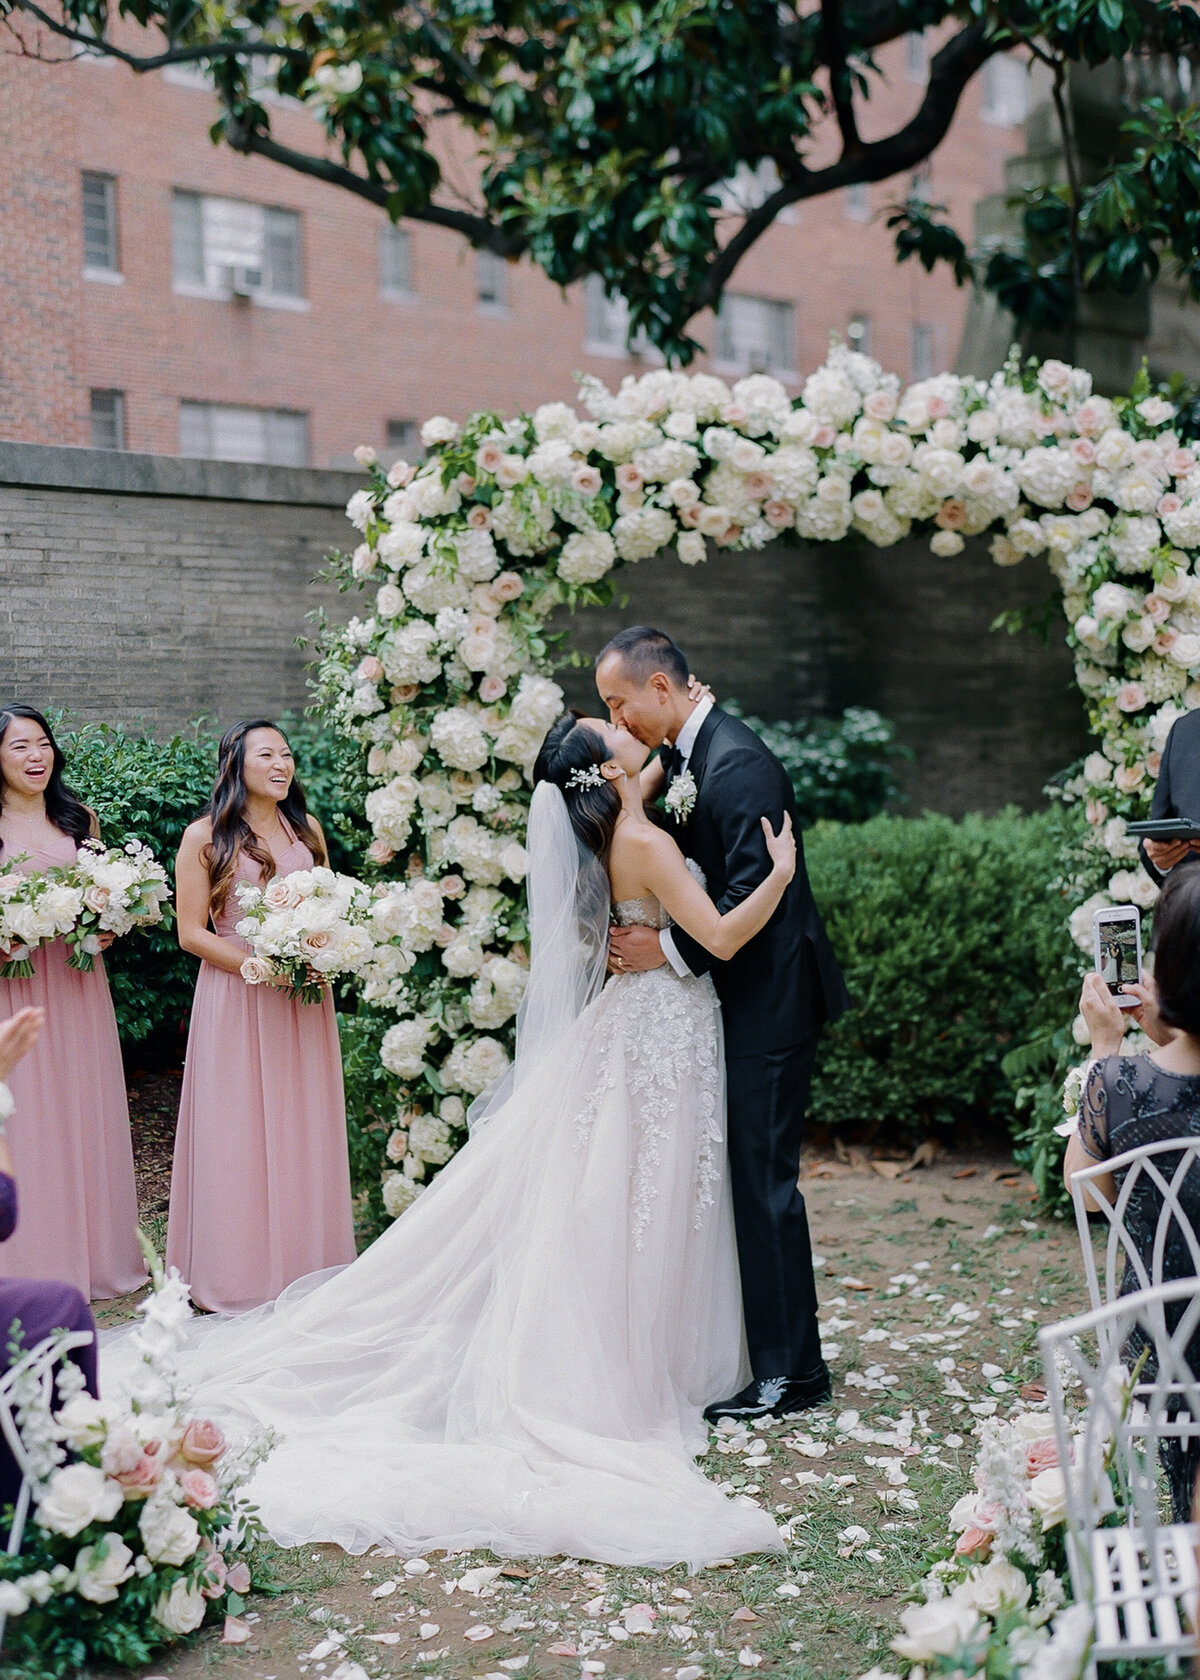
(767, 1095)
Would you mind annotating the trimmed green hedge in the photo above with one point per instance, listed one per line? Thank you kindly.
(953, 940)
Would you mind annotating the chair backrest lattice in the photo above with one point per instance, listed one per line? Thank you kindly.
(1125, 1556)
(1165, 1175)
(31, 1377)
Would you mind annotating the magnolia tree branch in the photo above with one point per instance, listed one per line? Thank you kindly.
(141, 63)
(874, 160)
(833, 35)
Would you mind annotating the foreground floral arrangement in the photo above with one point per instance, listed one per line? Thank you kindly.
(106, 890)
(146, 1533)
(995, 1599)
(446, 684)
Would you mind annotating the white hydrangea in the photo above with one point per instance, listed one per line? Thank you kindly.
(390, 810)
(586, 556)
(403, 545)
(830, 396)
(477, 557)
(406, 654)
(1133, 541)
(496, 993)
(1046, 475)
(767, 404)
(458, 738)
(404, 1045)
(1183, 527)
(432, 587)
(643, 532)
(473, 1065)
(429, 498)
(669, 459)
(399, 1193)
(429, 1139)
(552, 463)
(554, 420)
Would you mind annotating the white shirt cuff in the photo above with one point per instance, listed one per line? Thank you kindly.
(672, 955)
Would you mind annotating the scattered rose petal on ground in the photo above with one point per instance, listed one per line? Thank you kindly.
(561, 1648)
(384, 1638)
(690, 1671)
(480, 1631)
(385, 1589)
(639, 1618)
(428, 1630)
(787, 1589)
(473, 1581)
(514, 1664)
(748, 1658)
(236, 1632)
(743, 1615)
(416, 1566)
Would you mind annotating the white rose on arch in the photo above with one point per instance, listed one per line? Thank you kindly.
(467, 576)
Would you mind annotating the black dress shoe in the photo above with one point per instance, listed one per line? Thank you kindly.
(774, 1397)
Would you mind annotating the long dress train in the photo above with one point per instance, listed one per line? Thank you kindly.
(520, 1362)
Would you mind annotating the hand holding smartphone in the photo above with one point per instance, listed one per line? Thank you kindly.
(1117, 932)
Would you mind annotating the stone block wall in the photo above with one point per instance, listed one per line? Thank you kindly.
(149, 589)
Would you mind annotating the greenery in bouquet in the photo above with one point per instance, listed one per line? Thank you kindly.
(140, 1529)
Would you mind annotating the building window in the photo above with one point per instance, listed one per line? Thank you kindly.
(108, 419)
(404, 439)
(226, 247)
(229, 432)
(858, 334)
(757, 335)
(395, 262)
(100, 254)
(1005, 91)
(606, 329)
(922, 350)
(916, 57)
(858, 202)
(491, 280)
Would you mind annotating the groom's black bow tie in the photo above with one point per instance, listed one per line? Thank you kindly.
(672, 760)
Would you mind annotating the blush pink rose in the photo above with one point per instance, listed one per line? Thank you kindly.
(778, 515)
(401, 474)
(1096, 812)
(952, 515)
(973, 1540)
(1079, 497)
(735, 414)
(465, 484)
(690, 516)
(238, 1577)
(200, 1490)
(1157, 607)
(319, 939)
(880, 405)
(938, 408)
(1165, 641)
(402, 693)
(1179, 461)
(825, 437)
(444, 936)
(758, 485)
(203, 1443)
(629, 478)
(1083, 450)
(1168, 504)
(369, 669)
(1090, 417)
(1153, 763)
(96, 898)
(452, 886)
(1131, 697)
(586, 480)
(492, 689)
(479, 519)
(379, 852)
(509, 586)
(1039, 1456)
(1045, 425)
(489, 456)
(214, 1574)
(1129, 777)
(143, 1478)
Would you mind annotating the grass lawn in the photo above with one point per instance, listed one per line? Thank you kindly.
(934, 1283)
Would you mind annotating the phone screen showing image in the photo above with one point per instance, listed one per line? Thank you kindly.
(1118, 955)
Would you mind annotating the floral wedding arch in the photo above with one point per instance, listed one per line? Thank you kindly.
(447, 684)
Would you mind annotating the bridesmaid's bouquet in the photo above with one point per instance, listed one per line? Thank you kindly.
(33, 909)
(308, 927)
(122, 888)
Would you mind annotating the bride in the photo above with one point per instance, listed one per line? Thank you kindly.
(521, 1361)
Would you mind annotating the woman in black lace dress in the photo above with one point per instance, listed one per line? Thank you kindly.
(1129, 1101)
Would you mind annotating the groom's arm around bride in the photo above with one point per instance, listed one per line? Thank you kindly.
(776, 994)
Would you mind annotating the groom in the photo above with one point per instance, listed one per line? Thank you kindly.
(775, 994)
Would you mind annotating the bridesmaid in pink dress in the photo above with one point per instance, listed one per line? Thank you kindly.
(260, 1190)
(71, 1146)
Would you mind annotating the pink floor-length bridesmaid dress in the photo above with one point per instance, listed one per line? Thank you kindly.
(71, 1147)
(260, 1188)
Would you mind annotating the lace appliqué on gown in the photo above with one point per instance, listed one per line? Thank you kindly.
(664, 1024)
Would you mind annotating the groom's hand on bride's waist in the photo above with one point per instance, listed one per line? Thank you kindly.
(634, 949)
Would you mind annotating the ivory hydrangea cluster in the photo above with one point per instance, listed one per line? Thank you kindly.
(446, 683)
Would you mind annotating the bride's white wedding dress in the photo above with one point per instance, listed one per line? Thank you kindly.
(520, 1362)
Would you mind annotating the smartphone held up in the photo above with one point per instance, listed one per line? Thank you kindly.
(1117, 931)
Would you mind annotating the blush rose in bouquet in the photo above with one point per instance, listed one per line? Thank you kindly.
(307, 928)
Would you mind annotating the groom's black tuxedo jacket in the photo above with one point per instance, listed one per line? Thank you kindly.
(1177, 793)
(785, 982)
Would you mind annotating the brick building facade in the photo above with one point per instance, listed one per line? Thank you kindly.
(168, 296)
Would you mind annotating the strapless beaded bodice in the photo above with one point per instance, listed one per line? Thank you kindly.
(640, 912)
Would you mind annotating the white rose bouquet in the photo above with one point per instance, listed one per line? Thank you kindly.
(34, 909)
(147, 1532)
(121, 889)
(308, 927)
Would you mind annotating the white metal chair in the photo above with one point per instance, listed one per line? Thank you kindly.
(1137, 1571)
(1162, 1171)
(26, 1388)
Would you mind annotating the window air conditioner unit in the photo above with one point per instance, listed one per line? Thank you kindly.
(242, 282)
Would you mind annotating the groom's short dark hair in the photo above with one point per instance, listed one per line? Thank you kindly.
(644, 651)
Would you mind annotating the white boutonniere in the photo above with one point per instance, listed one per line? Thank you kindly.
(682, 796)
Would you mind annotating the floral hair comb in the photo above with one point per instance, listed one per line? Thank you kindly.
(589, 778)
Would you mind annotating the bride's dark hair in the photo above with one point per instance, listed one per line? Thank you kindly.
(570, 746)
